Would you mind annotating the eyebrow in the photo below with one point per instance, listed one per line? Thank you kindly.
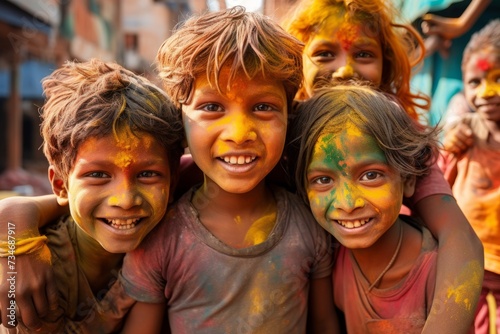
(263, 90)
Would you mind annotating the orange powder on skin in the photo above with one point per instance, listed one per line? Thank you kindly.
(348, 34)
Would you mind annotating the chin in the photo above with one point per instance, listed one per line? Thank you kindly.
(121, 248)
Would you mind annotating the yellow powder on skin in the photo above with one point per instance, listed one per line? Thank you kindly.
(113, 200)
(460, 293)
(127, 141)
(260, 229)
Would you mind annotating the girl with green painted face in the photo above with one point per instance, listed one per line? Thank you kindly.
(365, 40)
(358, 155)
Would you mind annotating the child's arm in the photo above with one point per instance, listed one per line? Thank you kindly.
(450, 28)
(144, 318)
(459, 269)
(36, 293)
(322, 317)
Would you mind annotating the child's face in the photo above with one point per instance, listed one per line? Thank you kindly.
(353, 192)
(236, 137)
(118, 189)
(342, 50)
(482, 84)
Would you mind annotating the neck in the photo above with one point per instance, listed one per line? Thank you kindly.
(238, 220)
(99, 265)
(210, 198)
(376, 260)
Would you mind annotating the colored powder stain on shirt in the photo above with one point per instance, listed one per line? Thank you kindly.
(257, 297)
(470, 278)
(260, 229)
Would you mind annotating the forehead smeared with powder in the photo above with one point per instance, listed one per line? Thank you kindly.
(332, 144)
(483, 64)
(348, 28)
(127, 142)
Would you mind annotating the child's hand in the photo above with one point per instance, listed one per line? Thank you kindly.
(447, 28)
(458, 139)
(34, 290)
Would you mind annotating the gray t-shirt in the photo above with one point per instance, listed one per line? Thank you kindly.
(210, 287)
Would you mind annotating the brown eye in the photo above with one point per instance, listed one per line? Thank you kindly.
(211, 107)
(263, 107)
(370, 176)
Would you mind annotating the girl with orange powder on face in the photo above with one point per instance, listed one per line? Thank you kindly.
(360, 40)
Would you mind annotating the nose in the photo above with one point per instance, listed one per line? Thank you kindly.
(488, 89)
(348, 198)
(126, 195)
(240, 128)
(345, 70)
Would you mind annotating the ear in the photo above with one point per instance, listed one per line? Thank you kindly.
(409, 186)
(58, 187)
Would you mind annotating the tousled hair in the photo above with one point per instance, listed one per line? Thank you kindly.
(399, 42)
(486, 38)
(96, 99)
(247, 42)
(408, 146)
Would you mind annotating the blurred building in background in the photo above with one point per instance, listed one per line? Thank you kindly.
(37, 36)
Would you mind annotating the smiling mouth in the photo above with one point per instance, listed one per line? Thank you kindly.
(239, 160)
(352, 223)
(122, 224)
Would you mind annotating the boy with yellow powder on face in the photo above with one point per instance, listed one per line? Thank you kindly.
(363, 40)
(237, 254)
(113, 142)
(474, 174)
(357, 155)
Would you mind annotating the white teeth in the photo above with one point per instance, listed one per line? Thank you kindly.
(239, 160)
(352, 223)
(123, 224)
